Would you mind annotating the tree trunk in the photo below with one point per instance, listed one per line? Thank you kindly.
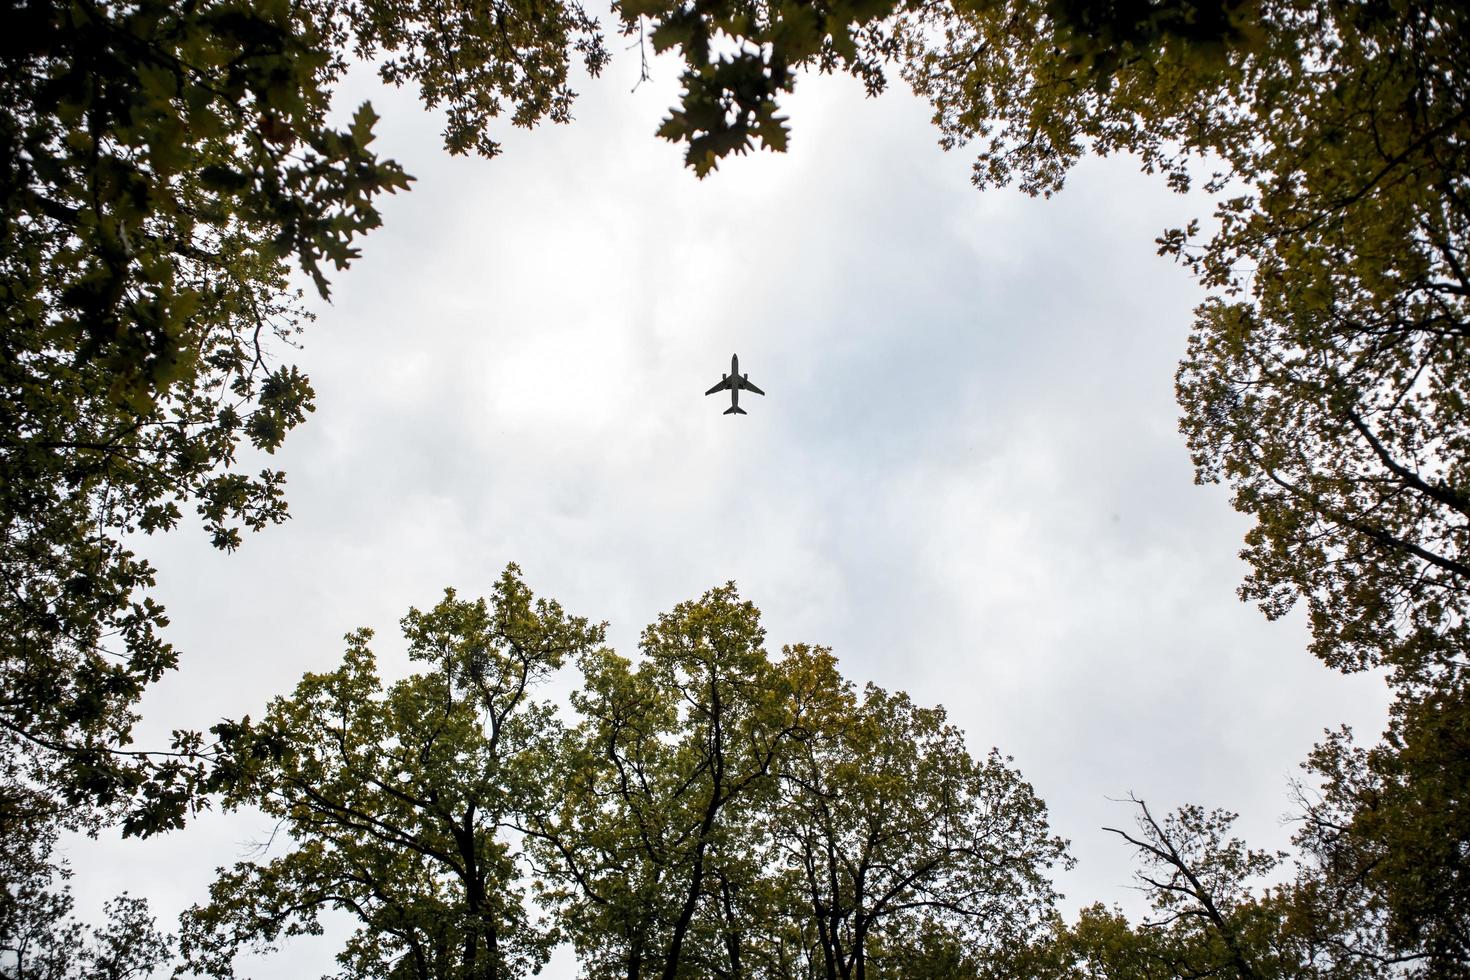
(732, 931)
(686, 914)
(696, 881)
(635, 957)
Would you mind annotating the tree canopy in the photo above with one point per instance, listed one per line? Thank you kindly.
(672, 831)
(398, 799)
(164, 168)
(1323, 379)
(40, 939)
(901, 848)
(650, 847)
(168, 165)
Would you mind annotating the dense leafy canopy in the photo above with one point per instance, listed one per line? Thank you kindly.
(1388, 841)
(164, 166)
(1324, 380)
(1333, 398)
(398, 799)
(901, 849)
(650, 846)
(670, 832)
(147, 212)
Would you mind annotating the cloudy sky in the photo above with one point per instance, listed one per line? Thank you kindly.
(965, 478)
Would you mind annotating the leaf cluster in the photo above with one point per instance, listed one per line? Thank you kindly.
(741, 57)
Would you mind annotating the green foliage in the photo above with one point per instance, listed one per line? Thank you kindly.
(901, 849)
(475, 60)
(652, 846)
(399, 799)
(726, 814)
(1389, 842)
(741, 57)
(1324, 381)
(145, 219)
(1210, 914)
(1334, 400)
(1377, 891)
(39, 939)
(660, 832)
(164, 166)
(1102, 945)
(1102, 38)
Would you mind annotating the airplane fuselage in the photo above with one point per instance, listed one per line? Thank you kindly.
(733, 382)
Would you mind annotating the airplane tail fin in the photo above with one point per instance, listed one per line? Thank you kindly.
(735, 410)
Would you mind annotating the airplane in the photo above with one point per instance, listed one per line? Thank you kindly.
(735, 381)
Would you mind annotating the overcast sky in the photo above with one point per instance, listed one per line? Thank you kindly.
(965, 477)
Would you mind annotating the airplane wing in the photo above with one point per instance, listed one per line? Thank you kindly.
(744, 383)
(719, 387)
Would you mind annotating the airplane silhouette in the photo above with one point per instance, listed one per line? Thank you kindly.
(735, 381)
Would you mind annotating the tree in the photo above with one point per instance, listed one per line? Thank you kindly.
(39, 939)
(1334, 401)
(902, 849)
(400, 801)
(1387, 842)
(1324, 380)
(674, 830)
(1325, 377)
(728, 815)
(1378, 885)
(653, 848)
(1101, 945)
(730, 95)
(164, 165)
(1211, 916)
(145, 219)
